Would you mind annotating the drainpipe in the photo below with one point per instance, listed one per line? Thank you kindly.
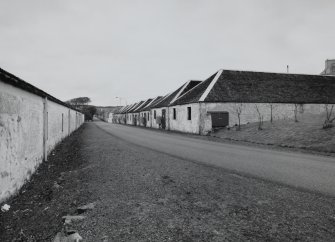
(69, 122)
(169, 117)
(200, 119)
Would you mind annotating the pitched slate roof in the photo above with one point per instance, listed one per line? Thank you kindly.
(195, 93)
(144, 104)
(169, 98)
(119, 109)
(262, 87)
(153, 103)
(126, 108)
(187, 87)
(131, 110)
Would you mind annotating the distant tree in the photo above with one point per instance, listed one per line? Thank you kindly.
(238, 108)
(260, 118)
(79, 101)
(89, 111)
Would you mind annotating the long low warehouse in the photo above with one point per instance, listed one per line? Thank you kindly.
(229, 98)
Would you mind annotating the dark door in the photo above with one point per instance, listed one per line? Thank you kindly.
(220, 119)
(163, 118)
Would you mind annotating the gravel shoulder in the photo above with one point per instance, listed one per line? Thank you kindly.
(143, 195)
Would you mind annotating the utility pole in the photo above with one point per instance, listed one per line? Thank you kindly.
(120, 98)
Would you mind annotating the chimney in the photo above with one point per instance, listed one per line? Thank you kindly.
(329, 67)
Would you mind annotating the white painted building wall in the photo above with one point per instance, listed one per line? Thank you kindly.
(201, 122)
(249, 113)
(148, 117)
(154, 123)
(181, 123)
(110, 117)
(129, 118)
(22, 132)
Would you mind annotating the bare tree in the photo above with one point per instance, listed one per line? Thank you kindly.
(238, 108)
(260, 118)
(296, 112)
(272, 109)
(329, 116)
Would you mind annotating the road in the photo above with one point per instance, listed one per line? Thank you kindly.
(307, 171)
(143, 191)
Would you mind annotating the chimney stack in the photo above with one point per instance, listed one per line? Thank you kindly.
(329, 67)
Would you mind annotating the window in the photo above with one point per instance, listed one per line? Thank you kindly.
(174, 114)
(188, 113)
(154, 114)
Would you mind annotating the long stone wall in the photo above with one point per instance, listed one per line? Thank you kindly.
(30, 128)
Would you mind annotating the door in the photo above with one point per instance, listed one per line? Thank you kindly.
(220, 119)
(163, 118)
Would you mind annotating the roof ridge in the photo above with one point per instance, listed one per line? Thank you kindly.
(269, 72)
(143, 102)
(201, 82)
(210, 86)
(167, 95)
(180, 91)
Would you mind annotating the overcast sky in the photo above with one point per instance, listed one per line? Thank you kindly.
(140, 49)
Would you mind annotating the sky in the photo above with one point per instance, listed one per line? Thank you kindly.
(126, 51)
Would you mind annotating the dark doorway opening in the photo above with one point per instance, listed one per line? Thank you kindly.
(219, 119)
(163, 118)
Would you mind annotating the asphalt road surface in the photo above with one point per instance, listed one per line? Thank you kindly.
(307, 171)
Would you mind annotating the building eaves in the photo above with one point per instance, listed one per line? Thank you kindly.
(15, 81)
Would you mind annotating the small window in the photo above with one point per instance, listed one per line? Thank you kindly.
(174, 114)
(189, 113)
(154, 114)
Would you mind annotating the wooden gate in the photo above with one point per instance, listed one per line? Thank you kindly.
(220, 119)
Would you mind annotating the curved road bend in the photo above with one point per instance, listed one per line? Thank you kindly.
(312, 172)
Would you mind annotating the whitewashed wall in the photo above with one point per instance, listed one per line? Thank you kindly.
(22, 128)
(181, 123)
(201, 122)
(147, 113)
(249, 113)
(129, 118)
(154, 123)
